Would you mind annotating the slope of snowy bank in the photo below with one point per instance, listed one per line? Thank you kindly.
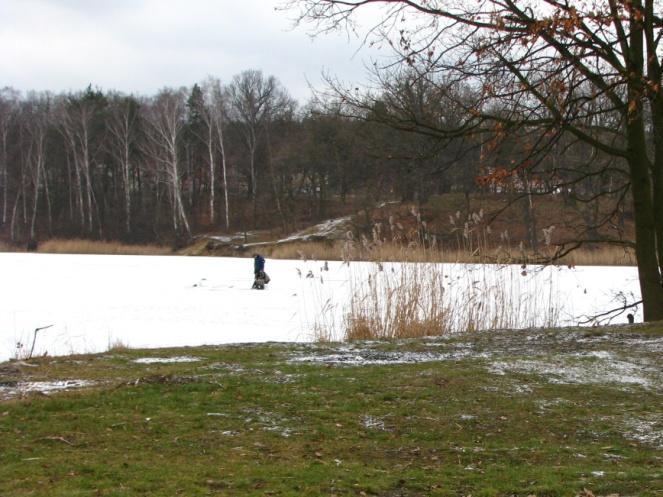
(94, 302)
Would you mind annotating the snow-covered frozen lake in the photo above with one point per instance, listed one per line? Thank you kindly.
(94, 301)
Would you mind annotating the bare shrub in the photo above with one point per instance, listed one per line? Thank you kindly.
(117, 345)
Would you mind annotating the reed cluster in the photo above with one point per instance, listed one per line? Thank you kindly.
(428, 294)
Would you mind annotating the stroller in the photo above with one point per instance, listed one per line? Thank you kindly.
(260, 281)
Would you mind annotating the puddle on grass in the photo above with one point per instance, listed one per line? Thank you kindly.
(9, 391)
(166, 360)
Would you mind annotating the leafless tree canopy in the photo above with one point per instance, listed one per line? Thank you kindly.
(552, 72)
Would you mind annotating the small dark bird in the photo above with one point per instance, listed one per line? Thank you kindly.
(630, 318)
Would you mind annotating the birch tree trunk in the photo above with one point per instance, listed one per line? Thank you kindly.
(225, 176)
(165, 119)
(216, 101)
(37, 172)
(122, 130)
(8, 104)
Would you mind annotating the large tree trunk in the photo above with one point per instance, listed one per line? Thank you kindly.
(645, 221)
(645, 240)
(657, 174)
(646, 246)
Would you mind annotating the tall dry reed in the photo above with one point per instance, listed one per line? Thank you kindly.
(413, 299)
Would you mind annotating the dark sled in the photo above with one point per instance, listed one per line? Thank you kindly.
(261, 280)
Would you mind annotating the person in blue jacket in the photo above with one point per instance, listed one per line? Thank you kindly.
(261, 278)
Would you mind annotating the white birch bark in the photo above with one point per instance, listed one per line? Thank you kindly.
(165, 119)
(121, 126)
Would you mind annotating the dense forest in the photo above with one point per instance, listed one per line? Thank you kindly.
(244, 155)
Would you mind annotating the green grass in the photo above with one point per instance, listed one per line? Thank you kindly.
(246, 420)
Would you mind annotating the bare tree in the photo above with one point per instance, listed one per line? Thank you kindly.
(216, 100)
(280, 107)
(8, 105)
(250, 96)
(165, 117)
(122, 127)
(545, 66)
(77, 116)
(36, 120)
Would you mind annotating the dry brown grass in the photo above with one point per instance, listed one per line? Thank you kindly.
(78, 246)
(407, 293)
(393, 252)
(403, 303)
(319, 251)
(410, 300)
(603, 256)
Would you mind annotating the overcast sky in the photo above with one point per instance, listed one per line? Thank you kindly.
(140, 46)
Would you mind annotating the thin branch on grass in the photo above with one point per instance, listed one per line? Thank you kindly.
(608, 316)
(59, 439)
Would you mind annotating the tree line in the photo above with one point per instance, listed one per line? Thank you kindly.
(232, 156)
(244, 155)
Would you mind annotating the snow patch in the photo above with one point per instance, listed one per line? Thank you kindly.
(373, 357)
(591, 372)
(325, 229)
(9, 391)
(166, 360)
(647, 430)
(269, 421)
(373, 423)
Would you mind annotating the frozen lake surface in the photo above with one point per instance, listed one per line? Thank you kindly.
(96, 301)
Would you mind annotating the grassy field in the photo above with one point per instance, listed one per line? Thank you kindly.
(545, 413)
